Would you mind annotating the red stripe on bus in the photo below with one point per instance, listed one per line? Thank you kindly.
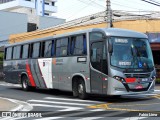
(130, 80)
(30, 75)
(41, 75)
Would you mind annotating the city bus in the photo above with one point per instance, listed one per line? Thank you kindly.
(102, 61)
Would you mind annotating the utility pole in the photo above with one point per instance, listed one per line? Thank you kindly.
(108, 13)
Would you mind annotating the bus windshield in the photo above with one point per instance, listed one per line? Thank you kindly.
(131, 53)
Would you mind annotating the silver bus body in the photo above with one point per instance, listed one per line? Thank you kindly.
(93, 66)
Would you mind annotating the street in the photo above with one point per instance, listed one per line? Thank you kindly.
(62, 105)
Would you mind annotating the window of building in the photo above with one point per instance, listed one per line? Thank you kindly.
(78, 45)
(53, 3)
(5, 1)
(47, 14)
(16, 52)
(9, 53)
(46, 3)
(61, 47)
(25, 50)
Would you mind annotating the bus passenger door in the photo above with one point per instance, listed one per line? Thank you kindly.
(98, 66)
(46, 71)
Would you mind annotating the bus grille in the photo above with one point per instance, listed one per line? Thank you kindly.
(131, 75)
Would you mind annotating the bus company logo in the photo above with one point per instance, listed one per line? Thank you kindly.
(54, 61)
(138, 87)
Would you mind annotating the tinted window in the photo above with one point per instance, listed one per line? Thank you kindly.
(78, 45)
(47, 50)
(25, 51)
(96, 36)
(35, 50)
(9, 53)
(96, 55)
(16, 52)
(61, 47)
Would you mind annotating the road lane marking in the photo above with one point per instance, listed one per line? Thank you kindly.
(106, 107)
(90, 118)
(67, 99)
(97, 110)
(133, 118)
(156, 96)
(157, 90)
(67, 108)
(50, 118)
(10, 84)
(55, 102)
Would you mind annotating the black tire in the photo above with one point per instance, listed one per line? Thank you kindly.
(24, 83)
(81, 89)
(75, 88)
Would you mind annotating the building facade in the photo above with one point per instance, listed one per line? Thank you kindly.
(36, 7)
(28, 15)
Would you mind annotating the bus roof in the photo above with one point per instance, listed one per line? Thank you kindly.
(122, 33)
(107, 31)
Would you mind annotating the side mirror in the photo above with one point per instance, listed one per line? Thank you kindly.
(110, 47)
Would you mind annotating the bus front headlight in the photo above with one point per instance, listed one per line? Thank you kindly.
(119, 79)
(153, 78)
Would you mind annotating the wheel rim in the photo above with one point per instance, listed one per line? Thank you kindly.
(80, 89)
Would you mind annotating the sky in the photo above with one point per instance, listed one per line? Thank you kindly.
(72, 9)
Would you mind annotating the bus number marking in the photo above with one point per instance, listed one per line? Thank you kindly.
(121, 40)
(124, 63)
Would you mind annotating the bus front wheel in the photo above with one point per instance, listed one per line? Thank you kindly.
(81, 90)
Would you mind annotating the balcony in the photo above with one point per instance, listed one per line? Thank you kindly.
(5, 1)
(13, 4)
(50, 9)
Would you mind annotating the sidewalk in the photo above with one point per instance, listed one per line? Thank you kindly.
(7, 105)
(157, 87)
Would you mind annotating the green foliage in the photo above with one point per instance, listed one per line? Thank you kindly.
(157, 80)
(1, 57)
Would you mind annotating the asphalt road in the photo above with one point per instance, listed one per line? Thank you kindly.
(53, 104)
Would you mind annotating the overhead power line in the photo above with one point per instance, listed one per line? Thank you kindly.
(151, 2)
(155, 1)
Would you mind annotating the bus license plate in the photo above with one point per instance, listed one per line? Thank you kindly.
(138, 87)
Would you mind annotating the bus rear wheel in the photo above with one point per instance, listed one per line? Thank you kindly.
(24, 83)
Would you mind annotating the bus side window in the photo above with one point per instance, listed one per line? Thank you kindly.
(61, 47)
(21, 51)
(36, 50)
(9, 53)
(5, 53)
(47, 50)
(42, 49)
(78, 45)
(52, 49)
(16, 52)
(25, 51)
(96, 55)
(95, 36)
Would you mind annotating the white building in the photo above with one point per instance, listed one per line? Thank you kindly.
(38, 7)
(17, 16)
